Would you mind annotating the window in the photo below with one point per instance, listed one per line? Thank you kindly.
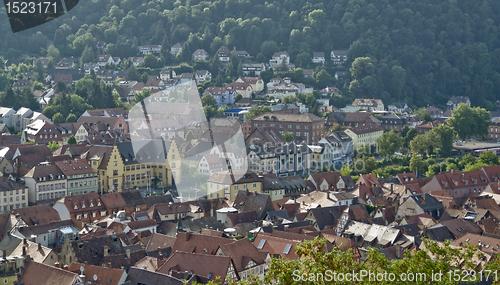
(236, 187)
(254, 185)
(297, 134)
(289, 126)
(85, 216)
(115, 163)
(94, 214)
(79, 217)
(244, 186)
(298, 127)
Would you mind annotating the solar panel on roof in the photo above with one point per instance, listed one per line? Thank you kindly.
(287, 248)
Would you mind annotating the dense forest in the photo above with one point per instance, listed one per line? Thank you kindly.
(421, 52)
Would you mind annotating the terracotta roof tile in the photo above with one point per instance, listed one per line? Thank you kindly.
(41, 274)
(104, 275)
(210, 266)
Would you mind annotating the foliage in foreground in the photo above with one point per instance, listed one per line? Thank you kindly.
(314, 260)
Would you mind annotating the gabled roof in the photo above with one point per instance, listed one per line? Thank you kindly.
(36, 215)
(38, 252)
(82, 203)
(195, 243)
(460, 227)
(426, 202)
(104, 275)
(41, 274)
(210, 266)
(242, 252)
(276, 246)
(123, 199)
(160, 241)
(141, 276)
(327, 216)
(75, 167)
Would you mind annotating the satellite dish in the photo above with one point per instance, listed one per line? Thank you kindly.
(94, 277)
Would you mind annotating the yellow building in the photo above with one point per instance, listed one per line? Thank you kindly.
(221, 184)
(366, 136)
(119, 168)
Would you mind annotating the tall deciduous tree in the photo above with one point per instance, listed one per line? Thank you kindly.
(443, 136)
(470, 122)
(389, 143)
(417, 164)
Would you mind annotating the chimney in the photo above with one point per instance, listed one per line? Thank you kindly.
(452, 170)
(399, 252)
(392, 187)
(4, 253)
(186, 274)
(39, 246)
(175, 213)
(255, 193)
(106, 250)
(57, 265)
(25, 241)
(328, 195)
(127, 251)
(248, 192)
(24, 250)
(109, 264)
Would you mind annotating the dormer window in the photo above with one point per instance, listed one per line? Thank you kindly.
(76, 207)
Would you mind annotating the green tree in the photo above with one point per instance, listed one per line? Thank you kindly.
(288, 136)
(489, 158)
(346, 170)
(443, 136)
(466, 160)
(238, 98)
(470, 122)
(208, 100)
(430, 172)
(49, 111)
(58, 118)
(421, 144)
(256, 110)
(451, 166)
(389, 143)
(370, 164)
(53, 146)
(53, 54)
(474, 167)
(72, 139)
(71, 118)
(87, 56)
(189, 136)
(323, 79)
(138, 97)
(423, 114)
(417, 164)
(362, 67)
